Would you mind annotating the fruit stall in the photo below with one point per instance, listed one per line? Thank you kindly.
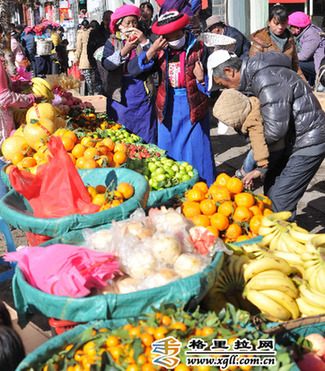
(131, 252)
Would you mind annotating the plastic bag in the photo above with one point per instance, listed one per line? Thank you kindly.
(75, 72)
(57, 189)
(65, 270)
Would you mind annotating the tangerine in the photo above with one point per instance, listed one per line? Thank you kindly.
(88, 142)
(244, 199)
(227, 208)
(213, 230)
(120, 147)
(27, 162)
(147, 339)
(235, 185)
(72, 135)
(267, 212)
(90, 164)
(119, 157)
(219, 194)
(195, 195)
(178, 326)
(78, 150)
(109, 143)
(99, 200)
(233, 231)
(201, 186)
(160, 332)
(126, 189)
(191, 209)
(112, 341)
(201, 220)
(208, 206)
(220, 221)
(206, 331)
(255, 223)
(222, 180)
(80, 163)
(242, 238)
(181, 367)
(68, 143)
(256, 210)
(165, 320)
(267, 202)
(242, 214)
(17, 157)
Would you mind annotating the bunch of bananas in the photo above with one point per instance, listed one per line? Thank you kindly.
(229, 286)
(310, 301)
(270, 289)
(278, 234)
(19, 115)
(42, 87)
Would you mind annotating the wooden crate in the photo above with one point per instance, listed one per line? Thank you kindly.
(98, 101)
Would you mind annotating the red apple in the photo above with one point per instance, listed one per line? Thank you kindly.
(311, 361)
(318, 342)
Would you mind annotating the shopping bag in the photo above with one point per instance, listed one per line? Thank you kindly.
(75, 72)
(57, 189)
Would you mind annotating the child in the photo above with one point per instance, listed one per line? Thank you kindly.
(61, 51)
(243, 114)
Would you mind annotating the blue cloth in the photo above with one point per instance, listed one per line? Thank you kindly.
(136, 111)
(3, 188)
(184, 141)
(242, 45)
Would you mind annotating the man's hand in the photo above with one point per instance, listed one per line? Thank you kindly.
(251, 177)
(137, 34)
(199, 71)
(159, 44)
(23, 85)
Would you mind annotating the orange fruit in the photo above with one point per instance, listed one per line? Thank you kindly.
(99, 199)
(91, 153)
(133, 367)
(68, 143)
(222, 180)
(78, 150)
(181, 367)
(60, 132)
(160, 332)
(195, 195)
(119, 157)
(267, 212)
(120, 147)
(259, 203)
(92, 191)
(255, 223)
(39, 144)
(201, 220)
(112, 341)
(220, 221)
(213, 230)
(233, 231)
(227, 208)
(108, 143)
(17, 157)
(208, 206)
(88, 142)
(242, 214)
(201, 186)
(147, 339)
(206, 331)
(191, 209)
(126, 189)
(72, 135)
(244, 199)
(102, 150)
(27, 162)
(235, 185)
(148, 367)
(165, 320)
(266, 201)
(178, 326)
(256, 210)
(219, 194)
(80, 163)
(90, 164)
(135, 332)
(242, 238)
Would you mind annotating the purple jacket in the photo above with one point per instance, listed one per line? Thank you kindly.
(182, 6)
(311, 45)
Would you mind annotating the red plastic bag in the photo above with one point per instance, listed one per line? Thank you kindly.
(57, 189)
(75, 72)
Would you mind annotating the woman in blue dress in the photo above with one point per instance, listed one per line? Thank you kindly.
(129, 100)
(182, 102)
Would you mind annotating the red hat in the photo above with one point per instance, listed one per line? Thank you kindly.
(160, 2)
(121, 12)
(299, 19)
(170, 21)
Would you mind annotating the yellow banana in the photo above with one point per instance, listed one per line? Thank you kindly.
(266, 241)
(312, 297)
(308, 256)
(264, 264)
(269, 220)
(300, 236)
(238, 268)
(285, 300)
(299, 229)
(273, 282)
(309, 246)
(40, 81)
(292, 244)
(307, 309)
(320, 279)
(318, 241)
(276, 243)
(268, 306)
(290, 258)
(264, 231)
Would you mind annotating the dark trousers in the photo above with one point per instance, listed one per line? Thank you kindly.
(43, 65)
(286, 181)
(308, 69)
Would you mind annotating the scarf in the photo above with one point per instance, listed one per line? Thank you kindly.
(280, 41)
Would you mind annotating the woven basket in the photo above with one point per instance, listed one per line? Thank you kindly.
(216, 42)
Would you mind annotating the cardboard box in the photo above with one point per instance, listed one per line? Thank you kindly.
(98, 101)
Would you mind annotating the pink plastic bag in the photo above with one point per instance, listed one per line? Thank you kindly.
(57, 189)
(65, 270)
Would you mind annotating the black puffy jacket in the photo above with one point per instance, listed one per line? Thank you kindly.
(288, 105)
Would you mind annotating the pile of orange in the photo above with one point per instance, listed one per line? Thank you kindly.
(226, 209)
(107, 198)
(87, 153)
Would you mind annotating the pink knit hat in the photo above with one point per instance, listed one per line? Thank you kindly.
(121, 12)
(299, 19)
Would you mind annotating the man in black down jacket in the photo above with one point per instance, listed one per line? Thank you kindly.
(289, 109)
